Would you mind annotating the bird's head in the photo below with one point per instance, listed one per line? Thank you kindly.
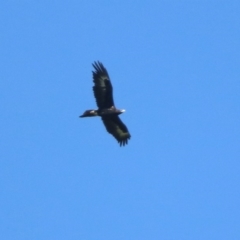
(121, 111)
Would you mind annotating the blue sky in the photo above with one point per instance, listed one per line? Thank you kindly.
(174, 66)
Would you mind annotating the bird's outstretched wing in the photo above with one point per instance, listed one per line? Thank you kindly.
(117, 128)
(102, 88)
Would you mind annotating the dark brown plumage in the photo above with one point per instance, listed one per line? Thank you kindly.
(103, 92)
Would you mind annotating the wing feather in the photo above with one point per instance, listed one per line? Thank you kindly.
(102, 88)
(117, 128)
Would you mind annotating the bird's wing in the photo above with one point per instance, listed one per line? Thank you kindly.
(117, 128)
(102, 88)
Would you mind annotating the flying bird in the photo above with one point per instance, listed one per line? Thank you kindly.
(103, 92)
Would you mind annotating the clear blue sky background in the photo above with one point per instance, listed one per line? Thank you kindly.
(175, 68)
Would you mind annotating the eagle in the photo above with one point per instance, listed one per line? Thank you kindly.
(103, 93)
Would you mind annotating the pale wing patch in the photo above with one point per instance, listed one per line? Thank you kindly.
(120, 133)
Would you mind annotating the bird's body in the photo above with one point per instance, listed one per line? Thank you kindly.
(102, 112)
(103, 93)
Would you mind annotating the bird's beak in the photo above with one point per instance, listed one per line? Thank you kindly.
(123, 110)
